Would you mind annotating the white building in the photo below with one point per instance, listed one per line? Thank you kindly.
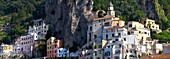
(95, 27)
(39, 28)
(62, 52)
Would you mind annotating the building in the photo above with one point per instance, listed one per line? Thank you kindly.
(25, 44)
(117, 22)
(39, 28)
(97, 49)
(121, 47)
(52, 47)
(151, 24)
(156, 56)
(6, 48)
(136, 28)
(62, 52)
(95, 27)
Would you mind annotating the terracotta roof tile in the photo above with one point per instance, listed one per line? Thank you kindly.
(105, 17)
(157, 56)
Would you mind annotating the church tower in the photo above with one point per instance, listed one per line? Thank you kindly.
(111, 11)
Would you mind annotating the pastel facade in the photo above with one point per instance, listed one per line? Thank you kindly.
(121, 47)
(25, 44)
(52, 47)
(138, 29)
(6, 48)
(117, 22)
(151, 24)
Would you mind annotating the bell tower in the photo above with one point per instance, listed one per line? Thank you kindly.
(110, 10)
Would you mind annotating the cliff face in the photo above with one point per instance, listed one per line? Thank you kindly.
(68, 20)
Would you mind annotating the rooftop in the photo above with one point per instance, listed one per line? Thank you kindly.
(156, 56)
(105, 17)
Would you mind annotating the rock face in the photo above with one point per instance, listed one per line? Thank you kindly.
(68, 20)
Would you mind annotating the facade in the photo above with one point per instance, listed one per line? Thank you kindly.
(95, 27)
(62, 52)
(151, 24)
(97, 49)
(39, 28)
(6, 48)
(117, 22)
(136, 28)
(52, 47)
(24, 44)
(121, 47)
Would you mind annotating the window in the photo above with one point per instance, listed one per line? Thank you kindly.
(106, 36)
(100, 46)
(130, 25)
(117, 52)
(117, 24)
(95, 36)
(113, 41)
(145, 32)
(128, 33)
(148, 22)
(89, 36)
(107, 53)
(90, 28)
(119, 34)
(113, 35)
(116, 40)
(124, 39)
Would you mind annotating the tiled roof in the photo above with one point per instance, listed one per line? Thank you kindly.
(149, 39)
(105, 17)
(157, 56)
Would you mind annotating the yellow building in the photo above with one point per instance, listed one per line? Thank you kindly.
(151, 24)
(6, 48)
(52, 45)
(117, 22)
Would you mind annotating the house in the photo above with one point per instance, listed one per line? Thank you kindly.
(25, 44)
(117, 22)
(151, 25)
(62, 52)
(97, 49)
(138, 29)
(6, 48)
(95, 27)
(39, 28)
(52, 47)
(121, 47)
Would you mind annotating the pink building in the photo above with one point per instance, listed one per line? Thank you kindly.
(52, 46)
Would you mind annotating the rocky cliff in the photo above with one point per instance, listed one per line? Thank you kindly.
(68, 20)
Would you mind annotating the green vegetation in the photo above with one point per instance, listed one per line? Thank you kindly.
(163, 36)
(127, 10)
(16, 15)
